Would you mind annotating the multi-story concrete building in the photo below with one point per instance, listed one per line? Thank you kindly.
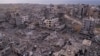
(88, 26)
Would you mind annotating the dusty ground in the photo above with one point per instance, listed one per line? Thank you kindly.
(30, 39)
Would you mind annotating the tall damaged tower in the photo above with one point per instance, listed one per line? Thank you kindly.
(88, 26)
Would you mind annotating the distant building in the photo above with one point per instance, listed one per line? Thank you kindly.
(97, 21)
(25, 18)
(88, 26)
(51, 23)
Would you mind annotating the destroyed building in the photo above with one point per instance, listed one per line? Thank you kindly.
(89, 25)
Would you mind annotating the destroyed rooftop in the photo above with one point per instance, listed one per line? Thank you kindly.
(49, 30)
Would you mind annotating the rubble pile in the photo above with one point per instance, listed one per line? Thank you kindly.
(49, 30)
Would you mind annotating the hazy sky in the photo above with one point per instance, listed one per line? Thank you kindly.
(51, 1)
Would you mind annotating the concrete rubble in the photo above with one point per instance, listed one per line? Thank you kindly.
(49, 30)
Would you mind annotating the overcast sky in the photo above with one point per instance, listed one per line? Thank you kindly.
(51, 1)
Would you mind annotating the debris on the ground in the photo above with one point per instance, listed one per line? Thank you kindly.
(49, 30)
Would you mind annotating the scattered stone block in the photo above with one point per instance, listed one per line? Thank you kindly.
(87, 42)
